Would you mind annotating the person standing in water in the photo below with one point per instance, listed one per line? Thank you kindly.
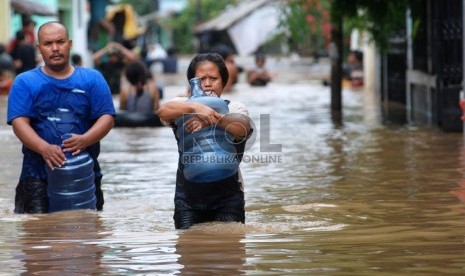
(50, 101)
(141, 95)
(221, 200)
(259, 75)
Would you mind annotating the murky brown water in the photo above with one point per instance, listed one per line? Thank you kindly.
(358, 199)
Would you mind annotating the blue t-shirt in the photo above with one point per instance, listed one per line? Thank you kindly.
(58, 106)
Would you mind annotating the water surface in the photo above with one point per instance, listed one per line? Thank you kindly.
(353, 199)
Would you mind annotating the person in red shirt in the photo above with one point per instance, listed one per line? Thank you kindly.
(28, 30)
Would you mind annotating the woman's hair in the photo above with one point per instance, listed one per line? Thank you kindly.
(136, 72)
(213, 58)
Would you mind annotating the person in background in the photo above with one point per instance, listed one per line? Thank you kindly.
(7, 70)
(6, 79)
(24, 54)
(228, 56)
(49, 101)
(259, 75)
(170, 62)
(28, 30)
(353, 69)
(221, 200)
(142, 94)
(6, 61)
(29, 26)
(76, 60)
(111, 61)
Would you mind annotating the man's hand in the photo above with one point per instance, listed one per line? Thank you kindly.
(76, 144)
(53, 156)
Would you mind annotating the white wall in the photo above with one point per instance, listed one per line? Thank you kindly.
(80, 18)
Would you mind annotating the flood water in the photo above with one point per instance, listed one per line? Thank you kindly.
(358, 198)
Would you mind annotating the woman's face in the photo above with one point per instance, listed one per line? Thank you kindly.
(210, 77)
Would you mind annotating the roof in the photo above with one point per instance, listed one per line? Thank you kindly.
(29, 7)
(230, 16)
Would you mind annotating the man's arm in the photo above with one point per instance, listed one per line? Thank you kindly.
(123, 98)
(52, 154)
(99, 54)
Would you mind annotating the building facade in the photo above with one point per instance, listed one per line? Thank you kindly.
(422, 73)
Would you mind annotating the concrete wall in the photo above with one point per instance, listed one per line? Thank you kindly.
(5, 15)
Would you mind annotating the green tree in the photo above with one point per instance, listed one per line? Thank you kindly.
(378, 18)
(304, 19)
(305, 22)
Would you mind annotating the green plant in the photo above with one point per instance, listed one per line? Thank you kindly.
(305, 22)
(378, 18)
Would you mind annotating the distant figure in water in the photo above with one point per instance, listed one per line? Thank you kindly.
(141, 95)
(259, 75)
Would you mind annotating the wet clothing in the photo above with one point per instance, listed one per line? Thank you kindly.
(203, 202)
(142, 103)
(31, 196)
(221, 200)
(56, 107)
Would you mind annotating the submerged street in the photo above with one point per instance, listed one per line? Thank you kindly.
(356, 198)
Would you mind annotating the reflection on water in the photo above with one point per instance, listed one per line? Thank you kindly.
(355, 198)
(61, 243)
(208, 250)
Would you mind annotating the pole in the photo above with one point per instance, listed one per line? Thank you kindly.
(409, 65)
(462, 94)
(336, 53)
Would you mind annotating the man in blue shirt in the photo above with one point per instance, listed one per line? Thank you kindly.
(49, 101)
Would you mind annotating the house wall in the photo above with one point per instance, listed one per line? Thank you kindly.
(5, 15)
(79, 20)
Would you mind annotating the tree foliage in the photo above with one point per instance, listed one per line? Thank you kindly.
(305, 22)
(377, 18)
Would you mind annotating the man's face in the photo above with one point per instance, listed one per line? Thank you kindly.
(54, 45)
